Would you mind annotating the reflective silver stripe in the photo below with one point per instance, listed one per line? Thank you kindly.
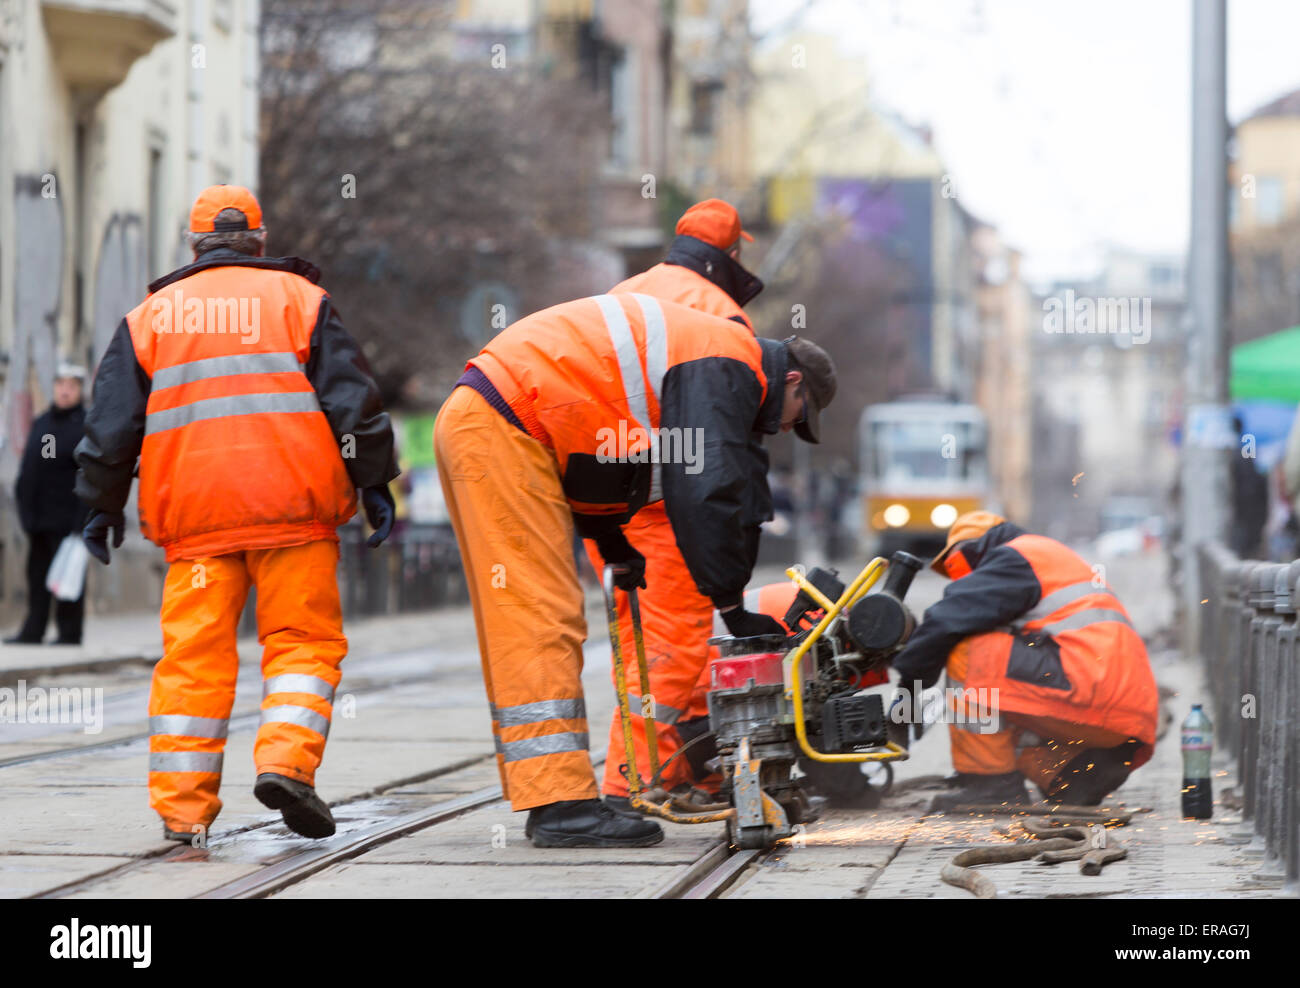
(656, 341)
(634, 382)
(1081, 619)
(532, 713)
(179, 725)
(230, 405)
(751, 599)
(1057, 599)
(302, 716)
(297, 682)
(664, 714)
(243, 363)
(548, 744)
(185, 761)
(656, 366)
(719, 625)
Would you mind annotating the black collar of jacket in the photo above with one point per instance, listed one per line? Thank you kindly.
(224, 257)
(976, 549)
(774, 365)
(716, 265)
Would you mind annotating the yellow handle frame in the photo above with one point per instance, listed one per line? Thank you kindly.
(856, 590)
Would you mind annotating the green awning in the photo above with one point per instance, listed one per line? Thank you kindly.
(1267, 368)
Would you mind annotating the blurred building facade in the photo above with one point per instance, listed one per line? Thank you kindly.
(113, 115)
(1005, 366)
(623, 50)
(1264, 220)
(1109, 359)
(835, 162)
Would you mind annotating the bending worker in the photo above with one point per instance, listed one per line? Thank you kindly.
(560, 421)
(255, 419)
(1047, 678)
(702, 270)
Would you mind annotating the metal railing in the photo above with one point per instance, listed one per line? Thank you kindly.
(418, 568)
(1250, 643)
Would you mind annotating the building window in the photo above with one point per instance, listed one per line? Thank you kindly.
(1269, 201)
(621, 106)
(153, 229)
(1268, 276)
(704, 107)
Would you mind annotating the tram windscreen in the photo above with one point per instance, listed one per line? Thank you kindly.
(902, 452)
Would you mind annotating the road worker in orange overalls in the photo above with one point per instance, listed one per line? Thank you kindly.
(1047, 679)
(581, 415)
(702, 270)
(255, 420)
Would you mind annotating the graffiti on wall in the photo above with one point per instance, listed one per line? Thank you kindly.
(119, 277)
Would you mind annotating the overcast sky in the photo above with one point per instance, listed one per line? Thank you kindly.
(1066, 123)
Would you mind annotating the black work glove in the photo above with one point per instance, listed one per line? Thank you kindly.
(746, 624)
(380, 512)
(901, 723)
(95, 534)
(629, 565)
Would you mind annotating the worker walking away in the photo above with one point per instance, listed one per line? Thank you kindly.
(1047, 679)
(255, 420)
(580, 415)
(702, 270)
(48, 509)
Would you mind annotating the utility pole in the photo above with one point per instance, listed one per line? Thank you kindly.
(1208, 429)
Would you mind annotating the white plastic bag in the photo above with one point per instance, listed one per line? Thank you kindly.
(67, 575)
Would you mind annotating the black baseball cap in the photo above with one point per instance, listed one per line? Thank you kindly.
(818, 383)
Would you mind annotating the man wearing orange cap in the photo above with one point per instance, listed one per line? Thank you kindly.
(255, 420)
(1047, 679)
(702, 270)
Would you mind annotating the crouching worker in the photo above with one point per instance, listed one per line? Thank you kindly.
(255, 419)
(1047, 680)
(580, 415)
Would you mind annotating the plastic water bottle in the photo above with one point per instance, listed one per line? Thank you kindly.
(1198, 742)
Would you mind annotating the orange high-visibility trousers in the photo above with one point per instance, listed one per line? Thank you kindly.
(515, 532)
(299, 625)
(985, 741)
(676, 623)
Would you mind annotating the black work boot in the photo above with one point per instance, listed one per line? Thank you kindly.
(1008, 788)
(180, 836)
(1092, 775)
(589, 823)
(304, 812)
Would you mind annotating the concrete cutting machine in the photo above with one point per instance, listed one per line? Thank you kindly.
(776, 699)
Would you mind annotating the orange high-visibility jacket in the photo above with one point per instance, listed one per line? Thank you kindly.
(1054, 639)
(253, 413)
(641, 399)
(699, 275)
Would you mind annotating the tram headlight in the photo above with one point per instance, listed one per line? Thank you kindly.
(943, 515)
(897, 515)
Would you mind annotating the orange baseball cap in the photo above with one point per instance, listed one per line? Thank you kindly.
(214, 199)
(971, 525)
(713, 221)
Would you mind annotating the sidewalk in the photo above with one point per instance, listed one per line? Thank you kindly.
(107, 641)
(1168, 856)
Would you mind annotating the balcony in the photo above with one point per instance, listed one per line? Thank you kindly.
(95, 42)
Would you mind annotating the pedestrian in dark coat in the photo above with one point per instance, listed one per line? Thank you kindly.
(48, 508)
